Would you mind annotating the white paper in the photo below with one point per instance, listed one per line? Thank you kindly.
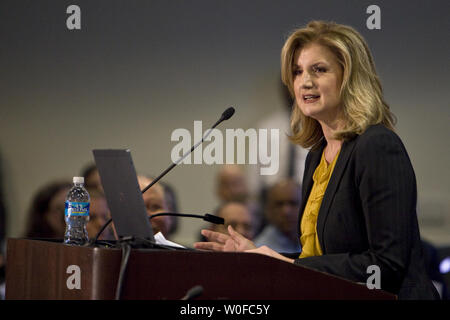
(159, 238)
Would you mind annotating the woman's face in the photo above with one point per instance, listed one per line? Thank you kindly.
(317, 81)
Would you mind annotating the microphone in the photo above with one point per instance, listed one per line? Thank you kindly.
(227, 114)
(193, 293)
(207, 217)
(214, 219)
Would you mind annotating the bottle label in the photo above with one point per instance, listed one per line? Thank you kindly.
(76, 209)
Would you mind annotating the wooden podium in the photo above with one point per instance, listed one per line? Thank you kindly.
(51, 270)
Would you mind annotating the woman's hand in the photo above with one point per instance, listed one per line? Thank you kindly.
(234, 242)
(265, 250)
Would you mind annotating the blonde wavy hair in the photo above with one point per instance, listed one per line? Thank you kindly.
(361, 91)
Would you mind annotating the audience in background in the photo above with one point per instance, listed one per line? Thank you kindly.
(282, 208)
(46, 212)
(155, 202)
(231, 186)
(92, 177)
(172, 206)
(238, 216)
(98, 215)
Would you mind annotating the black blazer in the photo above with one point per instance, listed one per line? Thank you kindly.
(368, 215)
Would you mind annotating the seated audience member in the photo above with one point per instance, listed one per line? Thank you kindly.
(92, 177)
(236, 215)
(155, 202)
(231, 186)
(46, 213)
(98, 215)
(172, 206)
(282, 208)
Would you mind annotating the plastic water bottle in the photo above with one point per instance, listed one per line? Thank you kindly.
(77, 213)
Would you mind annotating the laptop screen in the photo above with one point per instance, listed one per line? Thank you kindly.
(123, 194)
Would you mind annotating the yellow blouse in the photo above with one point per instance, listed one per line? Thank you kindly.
(308, 226)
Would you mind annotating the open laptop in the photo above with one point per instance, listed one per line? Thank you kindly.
(123, 194)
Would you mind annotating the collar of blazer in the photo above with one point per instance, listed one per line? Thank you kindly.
(312, 162)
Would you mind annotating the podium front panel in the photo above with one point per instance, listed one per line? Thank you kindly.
(50, 270)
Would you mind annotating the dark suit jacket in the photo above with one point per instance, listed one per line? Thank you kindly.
(368, 215)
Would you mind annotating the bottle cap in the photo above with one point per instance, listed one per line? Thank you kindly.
(78, 180)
